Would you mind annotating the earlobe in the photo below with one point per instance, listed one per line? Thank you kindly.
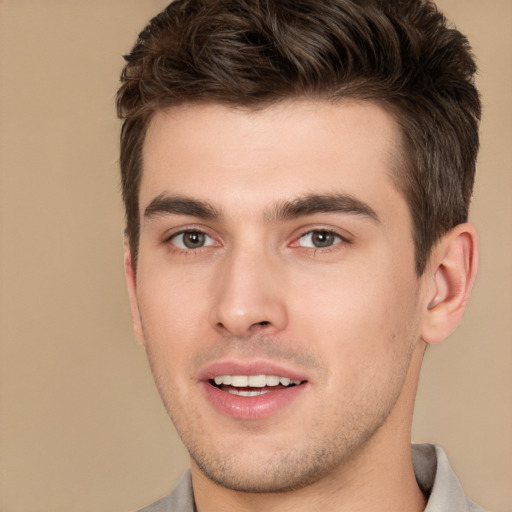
(452, 270)
(131, 284)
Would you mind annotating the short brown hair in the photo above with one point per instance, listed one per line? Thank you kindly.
(401, 54)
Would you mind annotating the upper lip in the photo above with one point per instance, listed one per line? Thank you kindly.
(255, 367)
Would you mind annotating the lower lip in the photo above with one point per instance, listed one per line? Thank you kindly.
(251, 407)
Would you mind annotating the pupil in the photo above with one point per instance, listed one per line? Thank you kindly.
(322, 239)
(193, 240)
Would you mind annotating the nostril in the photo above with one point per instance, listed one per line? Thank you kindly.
(264, 322)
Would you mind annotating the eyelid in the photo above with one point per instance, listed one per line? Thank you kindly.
(174, 233)
(343, 235)
(182, 244)
(185, 228)
(309, 237)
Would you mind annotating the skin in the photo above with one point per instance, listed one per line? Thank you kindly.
(351, 315)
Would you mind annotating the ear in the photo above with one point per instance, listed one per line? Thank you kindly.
(450, 276)
(131, 284)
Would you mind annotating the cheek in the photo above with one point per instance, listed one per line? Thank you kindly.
(173, 311)
(361, 313)
(170, 315)
(169, 289)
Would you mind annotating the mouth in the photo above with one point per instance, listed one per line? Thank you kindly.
(252, 390)
(253, 385)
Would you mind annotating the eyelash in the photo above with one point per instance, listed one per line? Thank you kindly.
(191, 231)
(339, 240)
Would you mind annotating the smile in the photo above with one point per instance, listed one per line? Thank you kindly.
(252, 385)
(252, 395)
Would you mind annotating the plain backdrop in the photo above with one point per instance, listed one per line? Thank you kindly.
(81, 426)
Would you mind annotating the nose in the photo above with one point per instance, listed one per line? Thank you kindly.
(249, 296)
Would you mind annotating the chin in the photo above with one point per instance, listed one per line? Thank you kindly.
(269, 469)
(274, 477)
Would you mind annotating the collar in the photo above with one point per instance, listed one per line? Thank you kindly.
(438, 481)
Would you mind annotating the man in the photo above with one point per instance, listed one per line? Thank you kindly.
(297, 177)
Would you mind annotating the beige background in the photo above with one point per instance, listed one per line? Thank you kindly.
(81, 425)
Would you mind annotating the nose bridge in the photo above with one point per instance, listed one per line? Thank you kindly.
(248, 293)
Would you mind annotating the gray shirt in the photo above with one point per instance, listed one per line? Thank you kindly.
(433, 472)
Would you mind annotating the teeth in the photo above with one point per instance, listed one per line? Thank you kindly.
(257, 381)
(253, 381)
(272, 380)
(239, 381)
(247, 393)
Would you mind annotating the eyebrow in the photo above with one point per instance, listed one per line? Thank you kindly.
(302, 206)
(321, 203)
(177, 205)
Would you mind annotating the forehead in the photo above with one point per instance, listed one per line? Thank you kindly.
(222, 154)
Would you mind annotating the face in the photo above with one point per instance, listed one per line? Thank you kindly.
(276, 292)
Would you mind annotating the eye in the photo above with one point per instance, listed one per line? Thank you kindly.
(319, 239)
(192, 240)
